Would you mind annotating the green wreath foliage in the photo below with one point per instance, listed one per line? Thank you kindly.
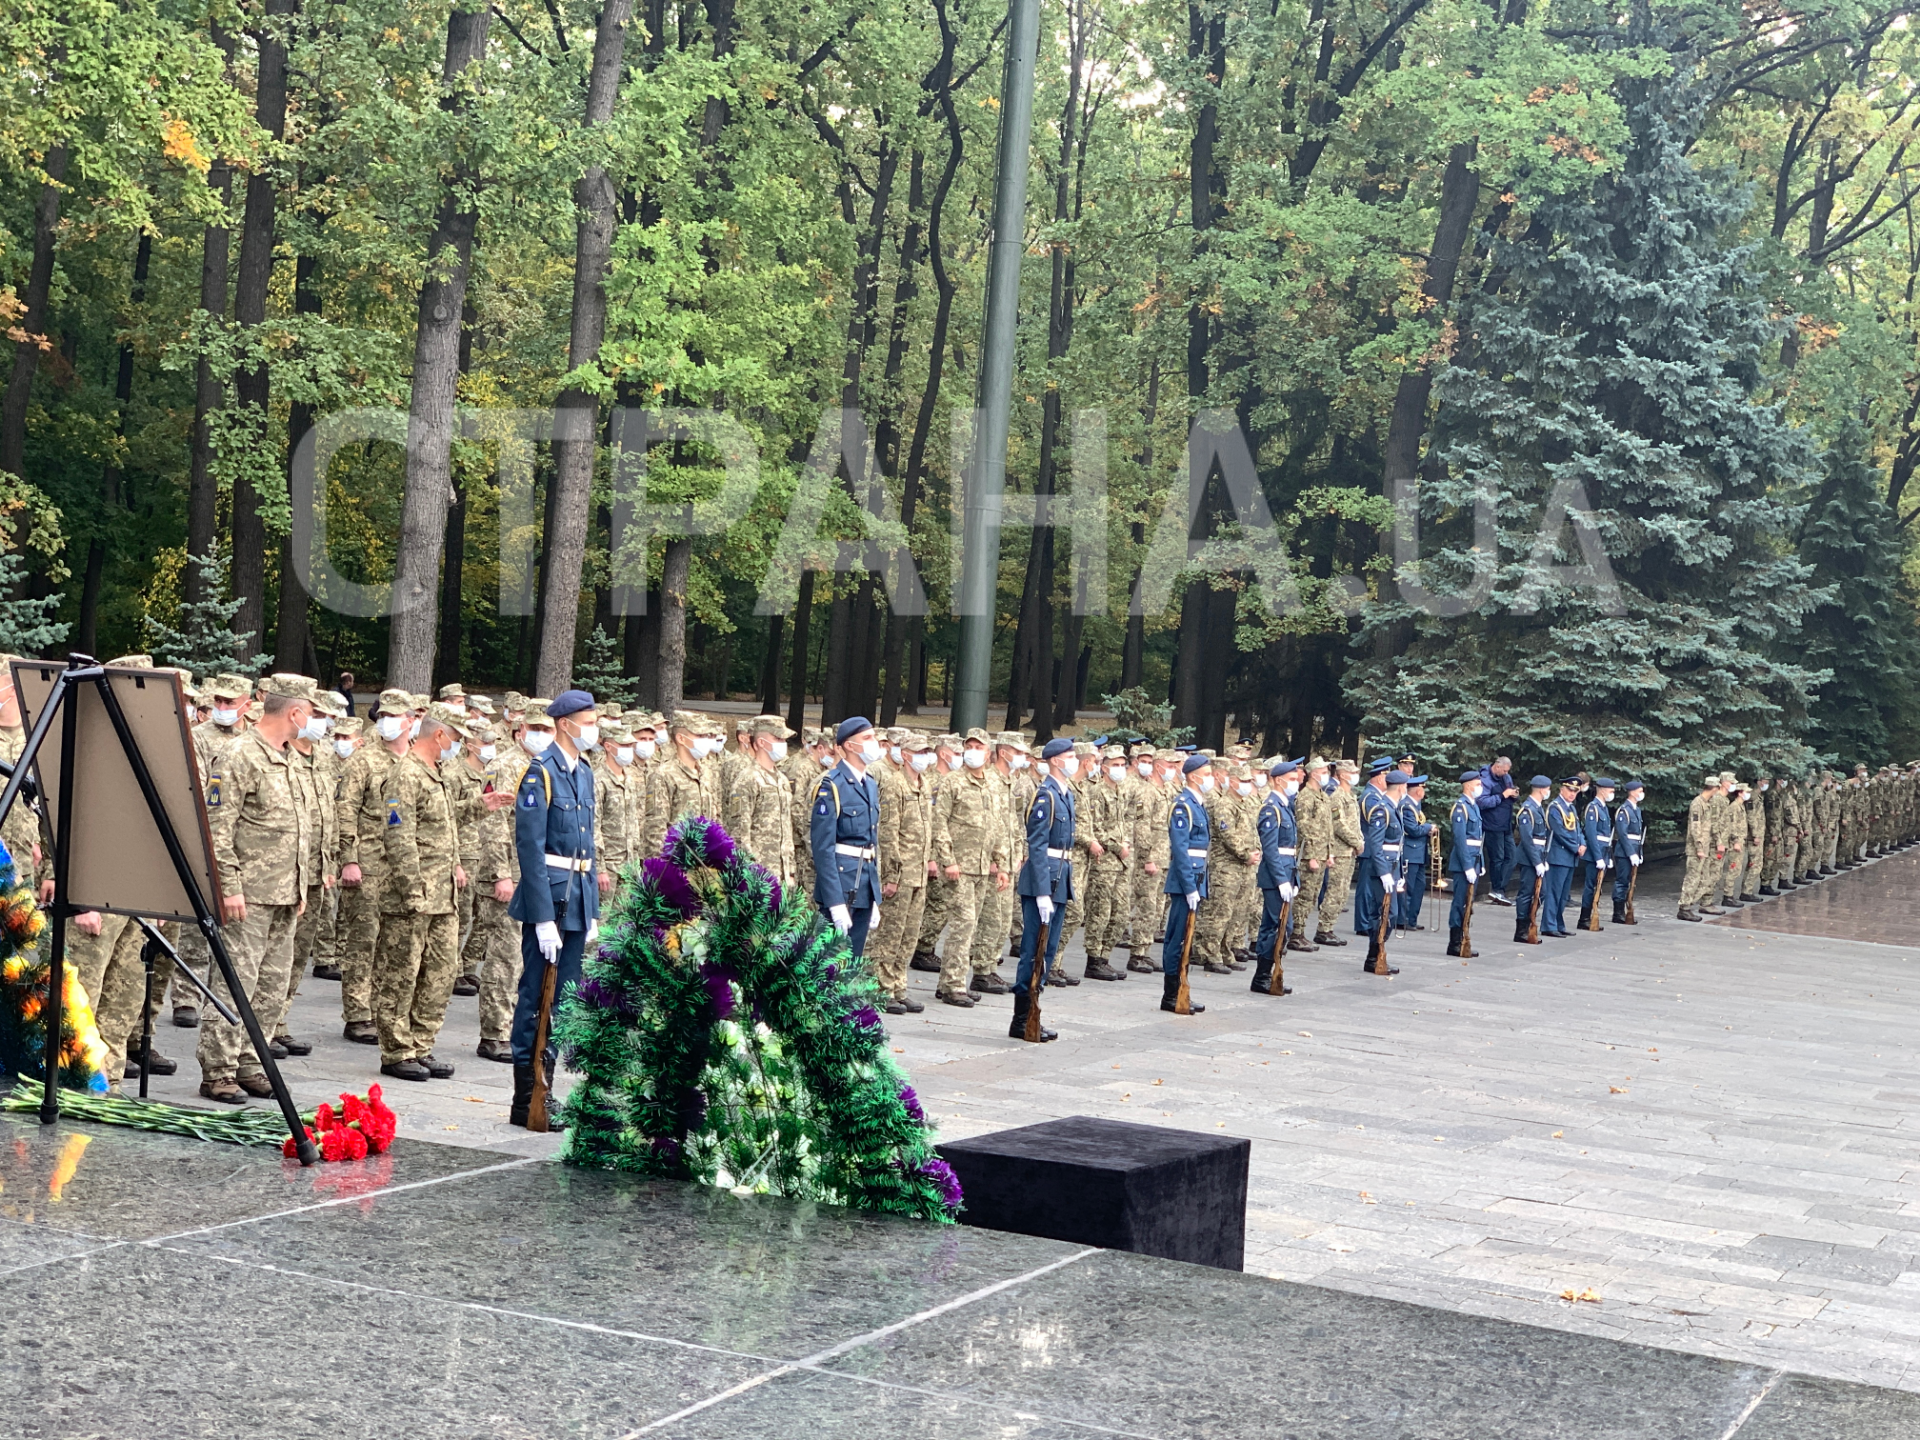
(726, 1034)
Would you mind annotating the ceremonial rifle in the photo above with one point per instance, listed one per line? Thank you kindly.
(1626, 907)
(1183, 1001)
(1274, 987)
(537, 1106)
(1533, 915)
(1035, 985)
(1380, 929)
(1466, 916)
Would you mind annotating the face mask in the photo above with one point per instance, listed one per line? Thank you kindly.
(777, 751)
(870, 751)
(315, 729)
(922, 759)
(487, 752)
(1244, 787)
(225, 717)
(392, 727)
(893, 753)
(1145, 767)
(1070, 766)
(826, 761)
(1019, 762)
(1288, 788)
(343, 748)
(588, 737)
(1206, 782)
(453, 750)
(624, 754)
(973, 759)
(537, 741)
(413, 730)
(644, 749)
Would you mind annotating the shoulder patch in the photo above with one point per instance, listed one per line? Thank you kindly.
(393, 811)
(213, 792)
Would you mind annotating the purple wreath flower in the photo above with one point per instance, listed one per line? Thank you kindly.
(604, 996)
(665, 1147)
(720, 986)
(772, 883)
(670, 883)
(943, 1179)
(912, 1102)
(866, 1017)
(717, 846)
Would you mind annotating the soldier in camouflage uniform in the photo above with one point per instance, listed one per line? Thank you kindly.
(348, 734)
(1149, 802)
(1756, 841)
(211, 740)
(1704, 858)
(617, 797)
(419, 949)
(906, 857)
(361, 825)
(1719, 811)
(1236, 850)
(1344, 818)
(996, 917)
(261, 846)
(938, 911)
(1104, 815)
(499, 873)
(687, 782)
(803, 770)
(313, 788)
(759, 808)
(466, 778)
(970, 849)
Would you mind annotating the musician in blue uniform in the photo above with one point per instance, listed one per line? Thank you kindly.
(843, 833)
(1629, 847)
(1279, 872)
(1530, 855)
(1596, 833)
(1467, 838)
(557, 901)
(1377, 876)
(1566, 848)
(1188, 842)
(1414, 830)
(1046, 878)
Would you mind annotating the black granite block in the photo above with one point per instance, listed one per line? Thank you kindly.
(1154, 1191)
(1802, 1407)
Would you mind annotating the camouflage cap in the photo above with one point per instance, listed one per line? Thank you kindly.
(514, 702)
(614, 732)
(1240, 751)
(1712, 782)
(741, 724)
(610, 711)
(537, 713)
(1115, 752)
(228, 687)
(692, 722)
(394, 702)
(1727, 777)
(348, 728)
(131, 662)
(449, 717)
(480, 730)
(480, 705)
(769, 725)
(419, 702)
(1348, 767)
(979, 734)
(291, 687)
(1144, 751)
(1318, 762)
(330, 703)
(948, 741)
(1013, 740)
(915, 742)
(452, 691)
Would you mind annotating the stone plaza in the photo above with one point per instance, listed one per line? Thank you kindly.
(1656, 1181)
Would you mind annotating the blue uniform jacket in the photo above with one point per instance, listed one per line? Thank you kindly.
(1467, 837)
(1188, 840)
(1279, 843)
(1381, 835)
(553, 815)
(846, 812)
(1531, 823)
(1496, 810)
(1564, 838)
(1048, 869)
(1596, 827)
(1627, 832)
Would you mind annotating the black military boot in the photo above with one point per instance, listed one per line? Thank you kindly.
(1327, 937)
(1687, 912)
(1100, 970)
(1747, 899)
(522, 1094)
(1620, 914)
(1302, 944)
(1138, 963)
(1170, 994)
(1263, 976)
(1768, 890)
(1453, 940)
(1520, 935)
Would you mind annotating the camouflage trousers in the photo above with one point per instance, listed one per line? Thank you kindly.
(935, 916)
(1109, 892)
(305, 931)
(326, 933)
(413, 974)
(1210, 921)
(996, 923)
(1146, 905)
(463, 906)
(892, 944)
(1726, 884)
(494, 946)
(109, 969)
(359, 929)
(1244, 916)
(1788, 867)
(966, 901)
(261, 949)
(1698, 882)
(1770, 861)
(1324, 896)
(1757, 874)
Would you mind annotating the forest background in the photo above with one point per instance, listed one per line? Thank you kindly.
(1544, 375)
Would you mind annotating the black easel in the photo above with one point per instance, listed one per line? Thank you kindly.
(151, 949)
(83, 670)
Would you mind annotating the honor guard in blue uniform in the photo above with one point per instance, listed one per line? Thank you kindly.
(1629, 848)
(1414, 830)
(1377, 875)
(1279, 873)
(843, 833)
(1046, 878)
(1596, 833)
(1530, 855)
(557, 901)
(1464, 860)
(1566, 847)
(1188, 842)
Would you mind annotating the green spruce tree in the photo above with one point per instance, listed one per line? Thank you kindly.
(1608, 375)
(204, 641)
(601, 671)
(1862, 631)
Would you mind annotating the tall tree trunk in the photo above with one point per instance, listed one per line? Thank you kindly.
(203, 489)
(770, 666)
(33, 319)
(802, 625)
(835, 698)
(446, 652)
(593, 197)
(887, 432)
(674, 568)
(88, 633)
(1133, 652)
(250, 288)
(292, 630)
(430, 415)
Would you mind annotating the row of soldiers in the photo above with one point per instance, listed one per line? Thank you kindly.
(1750, 840)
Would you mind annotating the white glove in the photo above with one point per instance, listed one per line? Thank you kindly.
(1606, 864)
(546, 935)
(842, 921)
(873, 919)
(1193, 901)
(1288, 891)
(593, 931)
(1386, 883)
(1044, 904)
(1472, 876)
(1541, 868)
(1635, 859)
(1400, 887)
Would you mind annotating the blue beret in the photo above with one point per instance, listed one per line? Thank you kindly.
(1540, 782)
(1059, 745)
(850, 727)
(1466, 775)
(1630, 786)
(1603, 782)
(1411, 779)
(569, 702)
(1194, 762)
(1395, 777)
(1380, 766)
(1282, 767)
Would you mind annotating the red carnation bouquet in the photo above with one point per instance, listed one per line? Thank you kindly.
(359, 1128)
